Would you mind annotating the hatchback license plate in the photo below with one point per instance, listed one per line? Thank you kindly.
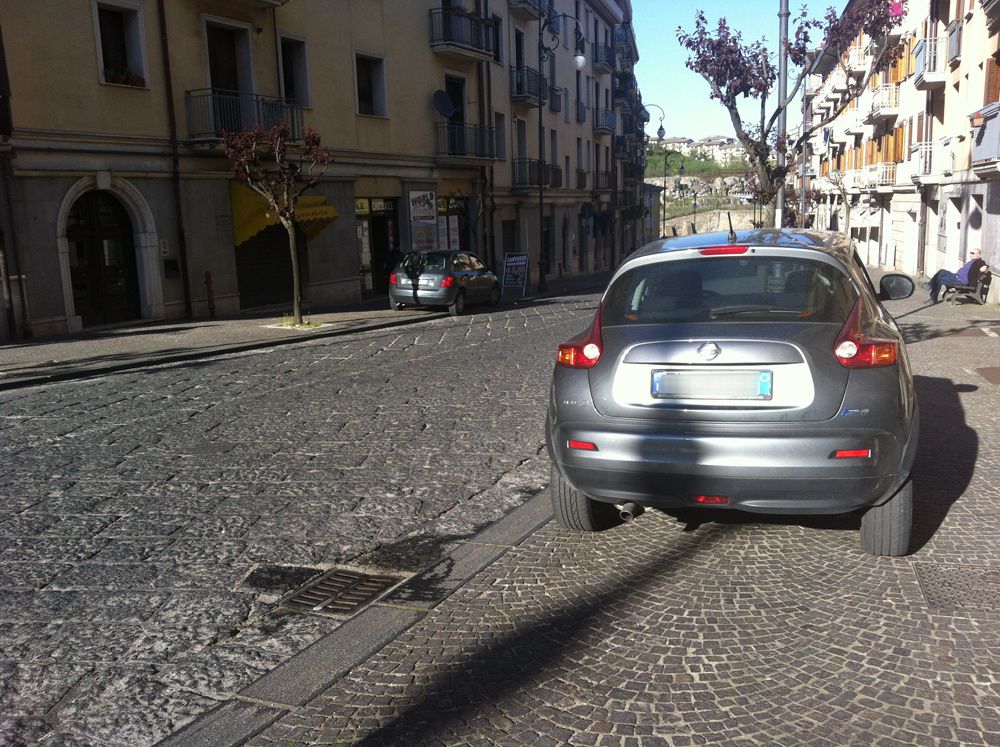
(702, 384)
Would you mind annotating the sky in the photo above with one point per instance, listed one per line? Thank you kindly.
(666, 82)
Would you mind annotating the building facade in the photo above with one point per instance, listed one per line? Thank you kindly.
(912, 167)
(117, 203)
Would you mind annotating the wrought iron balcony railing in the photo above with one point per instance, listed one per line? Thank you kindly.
(581, 178)
(526, 173)
(603, 58)
(211, 111)
(527, 85)
(456, 32)
(604, 121)
(464, 141)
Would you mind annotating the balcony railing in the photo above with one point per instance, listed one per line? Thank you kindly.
(526, 9)
(603, 58)
(885, 102)
(986, 142)
(464, 141)
(555, 99)
(621, 147)
(526, 173)
(603, 181)
(457, 33)
(581, 111)
(581, 178)
(555, 176)
(881, 174)
(929, 57)
(857, 61)
(211, 111)
(604, 122)
(527, 85)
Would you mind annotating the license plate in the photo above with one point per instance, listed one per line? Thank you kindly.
(702, 384)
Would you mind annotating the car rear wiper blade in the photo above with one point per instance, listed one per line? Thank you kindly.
(752, 309)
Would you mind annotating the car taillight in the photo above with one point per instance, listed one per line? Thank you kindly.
(392, 278)
(854, 349)
(447, 281)
(583, 352)
(715, 251)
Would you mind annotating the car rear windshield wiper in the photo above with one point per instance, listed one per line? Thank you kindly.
(753, 309)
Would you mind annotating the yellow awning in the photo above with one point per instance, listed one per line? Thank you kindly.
(251, 213)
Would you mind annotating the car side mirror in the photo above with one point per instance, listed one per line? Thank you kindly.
(895, 287)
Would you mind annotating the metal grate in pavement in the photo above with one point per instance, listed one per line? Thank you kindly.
(339, 592)
(951, 587)
(992, 375)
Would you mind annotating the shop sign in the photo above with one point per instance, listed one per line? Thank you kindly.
(515, 271)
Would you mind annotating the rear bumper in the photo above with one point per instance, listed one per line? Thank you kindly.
(423, 296)
(766, 471)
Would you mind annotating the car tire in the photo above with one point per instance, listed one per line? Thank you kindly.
(574, 510)
(885, 529)
(457, 307)
(393, 306)
(495, 295)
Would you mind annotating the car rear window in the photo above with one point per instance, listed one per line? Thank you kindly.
(421, 261)
(737, 289)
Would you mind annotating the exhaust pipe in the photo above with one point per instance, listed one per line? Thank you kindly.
(629, 511)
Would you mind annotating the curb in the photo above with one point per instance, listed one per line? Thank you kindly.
(295, 682)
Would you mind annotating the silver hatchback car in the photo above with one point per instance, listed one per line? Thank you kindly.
(756, 371)
(452, 279)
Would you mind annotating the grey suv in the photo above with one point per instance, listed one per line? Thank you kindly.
(756, 371)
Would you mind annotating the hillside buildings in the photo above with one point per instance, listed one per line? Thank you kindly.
(117, 204)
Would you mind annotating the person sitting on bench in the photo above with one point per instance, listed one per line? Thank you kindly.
(967, 275)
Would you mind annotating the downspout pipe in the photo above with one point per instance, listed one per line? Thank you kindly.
(783, 13)
(11, 260)
(175, 163)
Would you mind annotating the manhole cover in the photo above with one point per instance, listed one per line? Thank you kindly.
(992, 375)
(959, 587)
(339, 592)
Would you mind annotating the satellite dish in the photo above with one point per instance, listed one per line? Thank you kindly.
(444, 105)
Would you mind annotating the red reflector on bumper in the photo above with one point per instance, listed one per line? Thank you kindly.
(853, 454)
(711, 500)
(582, 445)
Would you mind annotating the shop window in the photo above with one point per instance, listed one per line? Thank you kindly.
(121, 57)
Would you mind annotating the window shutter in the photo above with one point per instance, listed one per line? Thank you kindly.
(992, 81)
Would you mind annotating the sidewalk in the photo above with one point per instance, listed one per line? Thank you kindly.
(108, 349)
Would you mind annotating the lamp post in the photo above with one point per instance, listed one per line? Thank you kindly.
(548, 21)
(660, 133)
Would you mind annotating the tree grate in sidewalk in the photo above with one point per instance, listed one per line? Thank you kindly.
(959, 587)
(338, 592)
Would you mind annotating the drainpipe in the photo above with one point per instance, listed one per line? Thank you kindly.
(488, 172)
(11, 263)
(175, 164)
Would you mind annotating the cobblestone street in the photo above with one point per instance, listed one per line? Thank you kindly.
(136, 506)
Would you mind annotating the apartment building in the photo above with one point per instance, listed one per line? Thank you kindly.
(914, 163)
(117, 203)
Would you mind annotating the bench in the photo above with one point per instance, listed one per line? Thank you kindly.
(977, 292)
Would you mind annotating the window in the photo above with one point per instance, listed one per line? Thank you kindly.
(121, 57)
(294, 71)
(370, 74)
(496, 30)
(500, 122)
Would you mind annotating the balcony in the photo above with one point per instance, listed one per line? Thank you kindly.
(857, 61)
(456, 34)
(464, 143)
(581, 111)
(954, 43)
(526, 173)
(625, 89)
(986, 143)
(603, 59)
(621, 37)
(881, 175)
(604, 122)
(885, 103)
(992, 10)
(929, 56)
(621, 147)
(555, 173)
(526, 10)
(854, 124)
(581, 179)
(555, 99)
(633, 172)
(527, 86)
(603, 181)
(210, 112)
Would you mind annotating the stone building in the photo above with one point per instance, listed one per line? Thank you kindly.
(117, 204)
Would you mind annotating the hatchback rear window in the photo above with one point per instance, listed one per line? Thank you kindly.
(737, 289)
(421, 261)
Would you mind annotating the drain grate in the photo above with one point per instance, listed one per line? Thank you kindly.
(959, 587)
(339, 592)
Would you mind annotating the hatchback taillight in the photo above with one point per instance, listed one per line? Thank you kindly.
(447, 281)
(583, 352)
(392, 278)
(854, 349)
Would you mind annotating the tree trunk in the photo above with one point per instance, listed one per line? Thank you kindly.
(296, 281)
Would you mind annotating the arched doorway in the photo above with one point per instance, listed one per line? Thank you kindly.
(102, 260)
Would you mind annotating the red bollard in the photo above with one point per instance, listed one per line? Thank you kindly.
(211, 294)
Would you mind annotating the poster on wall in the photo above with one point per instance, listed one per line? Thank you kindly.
(423, 221)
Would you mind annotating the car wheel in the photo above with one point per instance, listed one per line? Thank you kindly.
(574, 510)
(393, 306)
(495, 295)
(457, 307)
(885, 529)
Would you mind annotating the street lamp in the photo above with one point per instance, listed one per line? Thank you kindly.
(548, 21)
(660, 132)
